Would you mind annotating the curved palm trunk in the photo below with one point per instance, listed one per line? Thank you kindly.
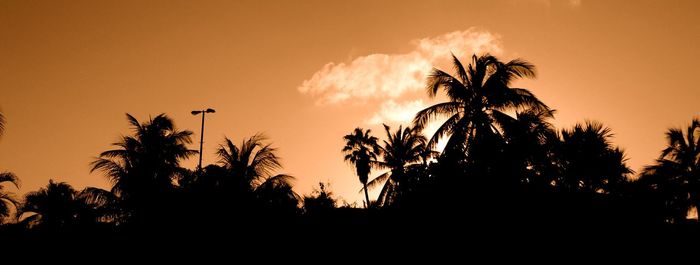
(366, 196)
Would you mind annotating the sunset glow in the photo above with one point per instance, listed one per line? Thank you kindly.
(308, 72)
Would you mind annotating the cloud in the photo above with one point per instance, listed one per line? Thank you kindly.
(548, 3)
(389, 76)
(575, 3)
(391, 112)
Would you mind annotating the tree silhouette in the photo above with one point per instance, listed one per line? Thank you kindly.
(361, 150)
(590, 163)
(250, 169)
(675, 176)
(476, 93)
(145, 167)
(321, 201)
(59, 207)
(531, 142)
(7, 199)
(403, 150)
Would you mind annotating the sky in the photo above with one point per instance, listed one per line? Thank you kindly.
(306, 73)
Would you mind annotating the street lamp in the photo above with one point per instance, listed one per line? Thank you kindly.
(201, 139)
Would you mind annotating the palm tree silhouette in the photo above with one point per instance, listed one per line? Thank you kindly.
(403, 149)
(361, 150)
(59, 206)
(590, 163)
(251, 167)
(676, 173)
(531, 142)
(7, 199)
(147, 164)
(476, 93)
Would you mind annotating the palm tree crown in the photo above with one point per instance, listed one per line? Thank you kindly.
(147, 162)
(476, 93)
(361, 149)
(7, 200)
(251, 167)
(404, 148)
(676, 173)
(590, 162)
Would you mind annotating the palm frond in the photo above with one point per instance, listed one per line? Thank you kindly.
(377, 181)
(10, 178)
(434, 112)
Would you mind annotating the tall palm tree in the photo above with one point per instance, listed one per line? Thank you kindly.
(361, 150)
(475, 94)
(402, 150)
(589, 161)
(250, 167)
(146, 164)
(7, 199)
(676, 173)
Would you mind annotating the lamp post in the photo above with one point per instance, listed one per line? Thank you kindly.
(201, 139)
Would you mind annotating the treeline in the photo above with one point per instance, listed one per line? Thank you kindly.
(504, 165)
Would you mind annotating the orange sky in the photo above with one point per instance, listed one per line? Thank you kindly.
(69, 70)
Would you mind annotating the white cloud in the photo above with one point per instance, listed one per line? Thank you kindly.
(389, 76)
(548, 3)
(575, 3)
(395, 114)
(391, 112)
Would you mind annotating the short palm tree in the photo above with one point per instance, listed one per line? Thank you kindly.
(59, 206)
(402, 150)
(7, 199)
(250, 169)
(361, 150)
(676, 173)
(529, 152)
(589, 161)
(146, 164)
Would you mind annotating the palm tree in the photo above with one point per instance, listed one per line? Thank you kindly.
(361, 150)
(7, 200)
(476, 93)
(403, 150)
(249, 169)
(147, 164)
(59, 206)
(530, 147)
(590, 163)
(253, 162)
(676, 173)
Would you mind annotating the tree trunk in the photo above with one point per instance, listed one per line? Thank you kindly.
(366, 196)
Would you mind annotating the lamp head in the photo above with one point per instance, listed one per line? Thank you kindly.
(210, 111)
(195, 112)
